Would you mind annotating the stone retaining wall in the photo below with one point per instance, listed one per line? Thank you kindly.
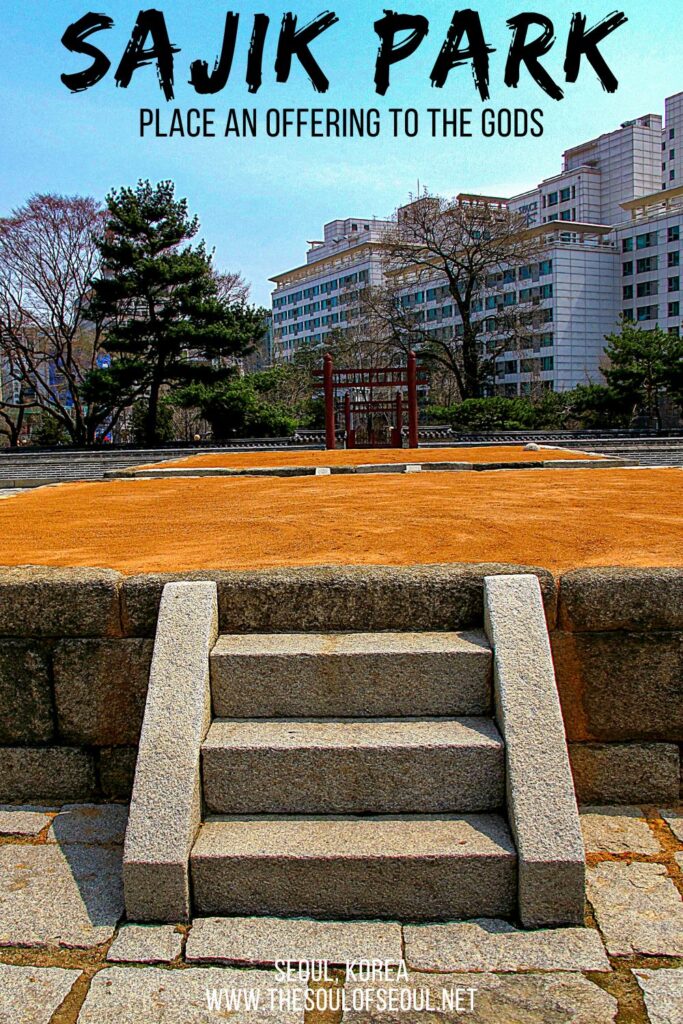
(76, 645)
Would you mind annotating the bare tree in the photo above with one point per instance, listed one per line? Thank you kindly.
(15, 401)
(462, 241)
(48, 258)
(232, 287)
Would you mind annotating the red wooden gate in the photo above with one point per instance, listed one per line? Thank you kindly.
(369, 408)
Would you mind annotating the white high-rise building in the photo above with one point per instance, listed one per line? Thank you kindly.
(611, 223)
(312, 300)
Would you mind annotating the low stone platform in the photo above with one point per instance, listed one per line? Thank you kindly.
(170, 472)
(68, 957)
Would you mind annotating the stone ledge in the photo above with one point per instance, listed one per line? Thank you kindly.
(116, 769)
(26, 714)
(52, 774)
(625, 773)
(621, 685)
(100, 689)
(48, 602)
(336, 598)
(616, 599)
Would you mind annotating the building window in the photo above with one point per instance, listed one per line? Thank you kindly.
(627, 268)
(676, 331)
(547, 363)
(545, 267)
(646, 241)
(672, 133)
(674, 259)
(646, 288)
(646, 265)
(628, 291)
(627, 245)
(566, 215)
(674, 309)
(647, 313)
(565, 195)
(628, 314)
(552, 199)
(674, 233)
(672, 175)
(672, 154)
(546, 340)
(674, 284)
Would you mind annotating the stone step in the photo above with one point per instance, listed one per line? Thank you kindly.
(412, 868)
(351, 674)
(353, 766)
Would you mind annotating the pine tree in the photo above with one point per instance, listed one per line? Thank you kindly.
(166, 324)
(645, 364)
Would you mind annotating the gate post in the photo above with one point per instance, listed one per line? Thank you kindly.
(397, 432)
(412, 401)
(350, 433)
(328, 386)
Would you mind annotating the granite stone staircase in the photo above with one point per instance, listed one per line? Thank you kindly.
(353, 775)
(410, 776)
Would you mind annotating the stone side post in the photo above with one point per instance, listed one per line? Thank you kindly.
(540, 795)
(165, 812)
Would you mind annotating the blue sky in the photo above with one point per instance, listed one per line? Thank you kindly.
(259, 200)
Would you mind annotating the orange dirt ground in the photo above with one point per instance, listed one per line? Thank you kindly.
(559, 519)
(362, 457)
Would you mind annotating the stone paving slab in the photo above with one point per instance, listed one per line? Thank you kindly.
(59, 896)
(679, 859)
(133, 995)
(674, 820)
(492, 945)
(617, 830)
(146, 944)
(30, 995)
(254, 940)
(498, 999)
(638, 909)
(663, 994)
(92, 824)
(23, 821)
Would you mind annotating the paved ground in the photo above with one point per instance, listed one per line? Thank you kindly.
(66, 956)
